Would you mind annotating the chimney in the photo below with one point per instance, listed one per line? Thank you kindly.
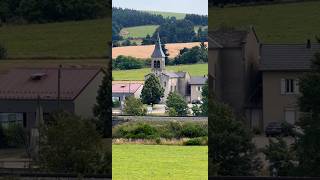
(308, 44)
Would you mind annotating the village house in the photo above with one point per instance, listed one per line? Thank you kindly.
(233, 70)
(181, 82)
(26, 92)
(122, 90)
(259, 81)
(281, 66)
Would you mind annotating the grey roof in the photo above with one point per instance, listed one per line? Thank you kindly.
(288, 57)
(157, 52)
(198, 80)
(181, 74)
(227, 37)
(171, 74)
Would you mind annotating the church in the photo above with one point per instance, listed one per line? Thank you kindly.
(188, 86)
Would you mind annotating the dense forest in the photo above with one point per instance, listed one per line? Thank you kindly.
(42, 11)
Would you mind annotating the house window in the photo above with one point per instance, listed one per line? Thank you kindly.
(199, 88)
(289, 86)
(164, 84)
(9, 118)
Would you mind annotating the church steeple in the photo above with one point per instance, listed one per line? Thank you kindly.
(158, 58)
(157, 52)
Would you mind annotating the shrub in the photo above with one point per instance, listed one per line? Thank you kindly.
(196, 111)
(178, 103)
(193, 130)
(134, 106)
(127, 62)
(115, 103)
(167, 130)
(196, 141)
(138, 131)
(172, 112)
(3, 52)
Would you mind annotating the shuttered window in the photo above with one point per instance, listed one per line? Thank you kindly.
(289, 86)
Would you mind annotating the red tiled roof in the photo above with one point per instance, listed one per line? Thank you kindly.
(124, 87)
(33, 83)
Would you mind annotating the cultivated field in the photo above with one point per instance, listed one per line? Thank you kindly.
(67, 39)
(138, 74)
(145, 51)
(279, 23)
(138, 31)
(159, 162)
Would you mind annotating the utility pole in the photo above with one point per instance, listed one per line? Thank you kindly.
(59, 86)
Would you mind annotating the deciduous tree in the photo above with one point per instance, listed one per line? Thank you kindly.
(152, 90)
(176, 102)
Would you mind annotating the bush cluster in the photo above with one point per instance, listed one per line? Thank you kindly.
(197, 141)
(149, 130)
(128, 62)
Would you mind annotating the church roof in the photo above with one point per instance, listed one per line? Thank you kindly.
(157, 52)
(198, 80)
(171, 74)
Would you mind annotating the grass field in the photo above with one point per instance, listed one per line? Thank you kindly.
(169, 14)
(159, 162)
(280, 23)
(68, 39)
(138, 31)
(138, 74)
(6, 65)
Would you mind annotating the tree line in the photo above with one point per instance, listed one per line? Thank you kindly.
(172, 29)
(42, 11)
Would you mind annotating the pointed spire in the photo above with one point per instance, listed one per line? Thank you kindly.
(158, 53)
(158, 40)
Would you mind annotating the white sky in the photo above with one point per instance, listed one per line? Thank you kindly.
(179, 6)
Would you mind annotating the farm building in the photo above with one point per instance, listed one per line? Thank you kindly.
(23, 92)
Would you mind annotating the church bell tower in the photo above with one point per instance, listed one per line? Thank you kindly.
(158, 58)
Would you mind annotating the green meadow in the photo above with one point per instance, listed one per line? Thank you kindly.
(139, 31)
(169, 14)
(159, 162)
(138, 74)
(87, 38)
(278, 23)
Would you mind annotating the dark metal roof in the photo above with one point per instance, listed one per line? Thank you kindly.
(18, 84)
(198, 80)
(157, 52)
(227, 37)
(288, 57)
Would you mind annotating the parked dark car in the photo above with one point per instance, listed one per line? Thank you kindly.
(196, 102)
(273, 129)
(280, 129)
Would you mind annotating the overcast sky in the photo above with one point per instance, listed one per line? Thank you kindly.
(180, 6)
